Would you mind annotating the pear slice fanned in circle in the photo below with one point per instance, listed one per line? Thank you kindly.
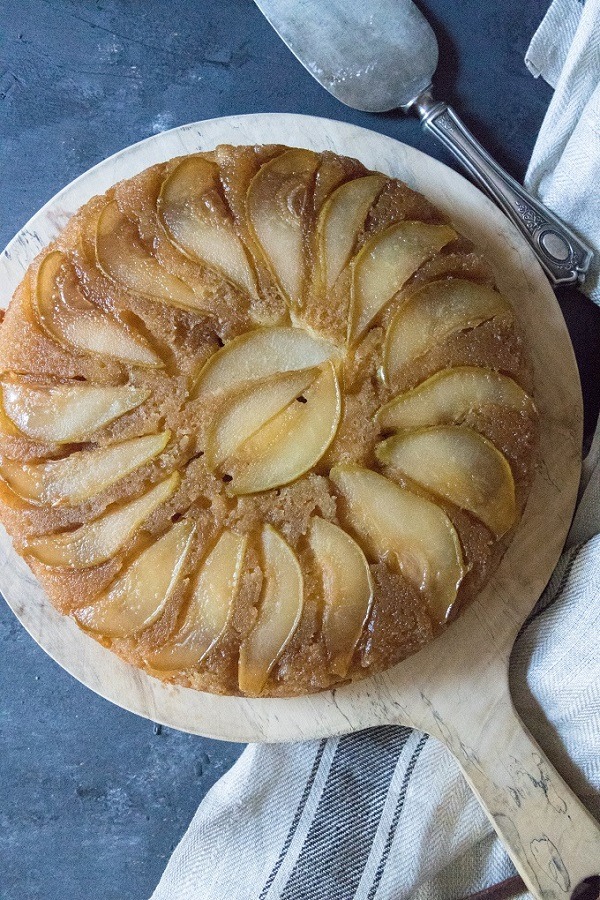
(211, 605)
(276, 206)
(459, 464)
(385, 263)
(123, 258)
(82, 475)
(139, 595)
(450, 395)
(347, 590)
(196, 219)
(340, 222)
(290, 443)
(66, 413)
(69, 318)
(243, 414)
(7, 428)
(405, 529)
(99, 540)
(279, 612)
(433, 313)
(257, 355)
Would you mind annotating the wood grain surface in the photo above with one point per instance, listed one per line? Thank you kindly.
(456, 688)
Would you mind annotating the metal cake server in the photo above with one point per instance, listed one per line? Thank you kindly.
(378, 55)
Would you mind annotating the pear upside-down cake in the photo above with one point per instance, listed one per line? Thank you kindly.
(265, 421)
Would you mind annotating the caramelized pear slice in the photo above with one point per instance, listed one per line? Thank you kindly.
(291, 442)
(347, 590)
(211, 605)
(259, 354)
(278, 614)
(194, 215)
(65, 413)
(7, 428)
(409, 531)
(449, 396)
(457, 463)
(276, 204)
(71, 320)
(432, 313)
(139, 595)
(384, 265)
(123, 258)
(245, 413)
(82, 475)
(94, 543)
(340, 222)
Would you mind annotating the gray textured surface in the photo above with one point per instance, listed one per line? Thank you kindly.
(93, 799)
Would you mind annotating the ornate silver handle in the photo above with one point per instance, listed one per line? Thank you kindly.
(564, 257)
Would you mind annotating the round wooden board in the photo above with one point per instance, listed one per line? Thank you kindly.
(473, 653)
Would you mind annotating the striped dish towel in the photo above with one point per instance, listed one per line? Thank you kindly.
(385, 814)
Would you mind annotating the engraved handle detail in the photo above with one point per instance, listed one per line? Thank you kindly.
(563, 256)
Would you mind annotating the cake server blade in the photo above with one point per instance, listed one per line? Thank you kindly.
(371, 56)
(378, 55)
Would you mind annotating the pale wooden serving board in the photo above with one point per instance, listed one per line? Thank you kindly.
(456, 688)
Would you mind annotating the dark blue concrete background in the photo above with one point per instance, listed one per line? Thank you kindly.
(94, 799)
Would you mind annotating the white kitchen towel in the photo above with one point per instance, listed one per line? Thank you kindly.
(385, 814)
(565, 166)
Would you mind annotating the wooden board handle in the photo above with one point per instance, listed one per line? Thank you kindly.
(552, 839)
